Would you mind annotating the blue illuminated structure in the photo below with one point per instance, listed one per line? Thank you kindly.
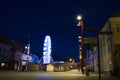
(47, 50)
(46, 58)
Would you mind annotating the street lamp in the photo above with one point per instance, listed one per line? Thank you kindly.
(70, 59)
(79, 17)
(81, 39)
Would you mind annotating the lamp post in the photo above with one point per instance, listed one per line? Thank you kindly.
(81, 39)
(97, 34)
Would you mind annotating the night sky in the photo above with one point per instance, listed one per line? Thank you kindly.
(57, 18)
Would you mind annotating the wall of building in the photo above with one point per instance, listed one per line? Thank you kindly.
(115, 27)
(109, 53)
(4, 52)
(4, 55)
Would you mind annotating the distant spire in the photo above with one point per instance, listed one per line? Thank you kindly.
(28, 39)
(28, 44)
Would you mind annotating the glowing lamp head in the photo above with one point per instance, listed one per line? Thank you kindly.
(79, 17)
(70, 59)
(2, 64)
(79, 37)
(80, 57)
(26, 47)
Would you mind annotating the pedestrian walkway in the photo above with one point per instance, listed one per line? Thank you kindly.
(95, 76)
(67, 75)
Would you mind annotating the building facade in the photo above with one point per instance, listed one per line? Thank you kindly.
(4, 55)
(8, 51)
(110, 45)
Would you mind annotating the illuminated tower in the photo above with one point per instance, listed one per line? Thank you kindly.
(27, 47)
(47, 58)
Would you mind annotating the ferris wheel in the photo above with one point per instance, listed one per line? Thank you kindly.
(47, 50)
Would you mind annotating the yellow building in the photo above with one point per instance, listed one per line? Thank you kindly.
(110, 45)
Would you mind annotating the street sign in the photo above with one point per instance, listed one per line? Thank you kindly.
(90, 40)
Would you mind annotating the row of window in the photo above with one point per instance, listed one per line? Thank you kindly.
(3, 50)
(103, 51)
(4, 54)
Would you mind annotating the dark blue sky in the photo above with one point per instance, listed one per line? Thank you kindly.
(56, 18)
